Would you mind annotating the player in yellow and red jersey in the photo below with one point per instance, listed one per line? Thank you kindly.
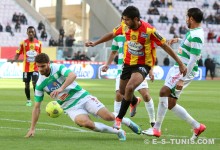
(139, 54)
(30, 48)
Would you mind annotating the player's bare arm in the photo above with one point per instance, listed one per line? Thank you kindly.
(105, 38)
(71, 77)
(35, 116)
(15, 58)
(110, 59)
(172, 41)
(169, 50)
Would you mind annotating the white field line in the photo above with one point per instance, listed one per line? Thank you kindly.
(79, 130)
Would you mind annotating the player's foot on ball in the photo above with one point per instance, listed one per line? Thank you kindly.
(152, 132)
(198, 131)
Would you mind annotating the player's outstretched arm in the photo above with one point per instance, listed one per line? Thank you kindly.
(103, 39)
(35, 116)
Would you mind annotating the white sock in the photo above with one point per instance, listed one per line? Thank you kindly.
(117, 106)
(150, 109)
(161, 112)
(100, 127)
(183, 114)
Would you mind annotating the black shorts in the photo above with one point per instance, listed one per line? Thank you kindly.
(27, 76)
(127, 70)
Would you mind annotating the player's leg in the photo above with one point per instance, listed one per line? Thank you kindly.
(170, 82)
(26, 80)
(149, 103)
(183, 114)
(118, 96)
(83, 120)
(95, 107)
(135, 75)
(34, 77)
(133, 82)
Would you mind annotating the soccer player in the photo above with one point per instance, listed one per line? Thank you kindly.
(59, 82)
(30, 48)
(139, 54)
(117, 49)
(189, 52)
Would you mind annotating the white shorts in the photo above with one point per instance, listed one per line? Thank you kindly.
(91, 106)
(172, 78)
(141, 86)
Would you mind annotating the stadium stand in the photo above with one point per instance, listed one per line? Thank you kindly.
(178, 9)
(7, 9)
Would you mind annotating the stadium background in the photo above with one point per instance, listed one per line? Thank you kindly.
(85, 20)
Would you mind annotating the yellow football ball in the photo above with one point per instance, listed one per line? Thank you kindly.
(54, 109)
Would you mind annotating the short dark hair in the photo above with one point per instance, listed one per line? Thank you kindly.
(131, 12)
(31, 27)
(42, 58)
(196, 14)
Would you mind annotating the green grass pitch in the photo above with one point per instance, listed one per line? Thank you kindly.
(201, 99)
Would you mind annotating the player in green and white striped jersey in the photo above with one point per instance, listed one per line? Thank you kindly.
(189, 52)
(59, 82)
(118, 48)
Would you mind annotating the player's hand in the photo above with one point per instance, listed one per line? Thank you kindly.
(55, 93)
(179, 85)
(104, 68)
(151, 75)
(30, 133)
(90, 43)
(183, 69)
(174, 40)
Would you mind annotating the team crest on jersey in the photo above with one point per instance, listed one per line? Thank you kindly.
(133, 37)
(31, 46)
(144, 35)
(37, 44)
(53, 86)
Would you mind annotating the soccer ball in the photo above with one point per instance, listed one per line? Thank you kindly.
(54, 109)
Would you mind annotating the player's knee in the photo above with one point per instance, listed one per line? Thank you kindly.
(163, 92)
(146, 97)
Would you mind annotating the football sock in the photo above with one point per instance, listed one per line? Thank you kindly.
(150, 109)
(161, 112)
(124, 107)
(117, 106)
(134, 100)
(183, 114)
(100, 127)
(27, 93)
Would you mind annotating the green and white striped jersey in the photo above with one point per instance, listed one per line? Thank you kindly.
(69, 97)
(191, 44)
(118, 45)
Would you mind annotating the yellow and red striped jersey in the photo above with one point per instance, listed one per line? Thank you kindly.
(30, 50)
(139, 47)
